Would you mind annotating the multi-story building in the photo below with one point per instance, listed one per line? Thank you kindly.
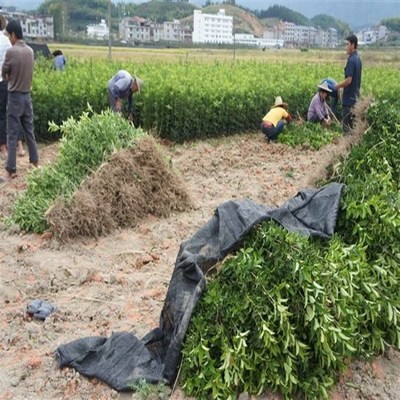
(275, 32)
(373, 35)
(332, 40)
(137, 29)
(212, 28)
(33, 27)
(98, 31)
(172, 31)
(299, 35)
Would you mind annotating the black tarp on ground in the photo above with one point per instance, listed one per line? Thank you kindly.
(123, 359)
(40, 49)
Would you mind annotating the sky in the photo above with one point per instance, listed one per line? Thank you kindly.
(356, 13)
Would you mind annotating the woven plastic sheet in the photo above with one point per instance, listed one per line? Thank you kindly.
(123, 360)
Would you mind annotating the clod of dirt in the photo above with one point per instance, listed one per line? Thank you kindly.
(133, 184)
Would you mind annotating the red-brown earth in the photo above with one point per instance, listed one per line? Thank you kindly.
(118, 282)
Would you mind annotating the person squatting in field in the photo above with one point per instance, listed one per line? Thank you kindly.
(18, 70)
(318, 109)
(334, 95)
(351, 84)
(275, 120)
(122, 86)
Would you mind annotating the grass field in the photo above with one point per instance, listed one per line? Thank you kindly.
(143, 55)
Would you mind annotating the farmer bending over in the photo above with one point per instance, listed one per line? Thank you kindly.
(122, 86)
(318, 110)
(276, 118)
(59, 60)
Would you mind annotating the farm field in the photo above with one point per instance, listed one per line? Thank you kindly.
(143, 55)
(118, 282)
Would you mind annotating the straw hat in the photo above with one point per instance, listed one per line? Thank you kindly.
(139, 83)
(279, 102)
(3, 23)
(324, 86)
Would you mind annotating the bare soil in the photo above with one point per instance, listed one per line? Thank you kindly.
(118, 282)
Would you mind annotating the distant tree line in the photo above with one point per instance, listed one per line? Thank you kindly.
(286, 14)
(75, 15)
(392, 24)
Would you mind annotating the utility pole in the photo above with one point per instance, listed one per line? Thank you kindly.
(109, 30)
(234, 48)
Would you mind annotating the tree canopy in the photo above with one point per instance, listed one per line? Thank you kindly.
(283, 13)
(326, 21)
(392, 23)
(77, 14)
(160, 11)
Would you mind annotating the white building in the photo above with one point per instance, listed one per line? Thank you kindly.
(138, 29)
(38, 27)
(173, 31)
(332, 37)
(373, 35)
(98, 31)
(299, 35)
(169, 31)
(250, 40)
(212, 28)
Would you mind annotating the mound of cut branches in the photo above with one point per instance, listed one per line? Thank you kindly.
(134, 183)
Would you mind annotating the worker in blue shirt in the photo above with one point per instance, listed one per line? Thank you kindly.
(351, 84)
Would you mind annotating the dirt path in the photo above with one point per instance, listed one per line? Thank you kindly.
(118, 283)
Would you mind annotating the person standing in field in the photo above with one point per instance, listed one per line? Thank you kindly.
(275, 120)
(5, 44)
(122, 86)
(18, 70)
(351, 84)
(318, 110)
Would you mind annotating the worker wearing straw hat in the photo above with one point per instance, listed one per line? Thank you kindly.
(318, 109)
(275, 120)
(334, 95)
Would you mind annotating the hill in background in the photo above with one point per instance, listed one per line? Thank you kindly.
(357, 13)
(159, 11)
(75, 15)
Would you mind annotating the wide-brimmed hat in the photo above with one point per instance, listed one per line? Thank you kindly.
(279, 102)
(3, 23)
(139, 83)
(324, 86)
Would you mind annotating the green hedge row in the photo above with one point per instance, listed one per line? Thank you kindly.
(183, 101)
(288, 313)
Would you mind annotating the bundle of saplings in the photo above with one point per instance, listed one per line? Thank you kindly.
(107, 175)
(309, 134)
(134, 183)
(288, 313)
(85, 144)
